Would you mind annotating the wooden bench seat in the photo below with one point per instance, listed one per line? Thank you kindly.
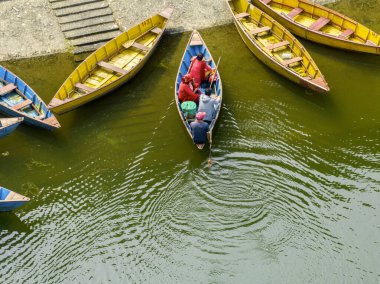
(242, 15)
(295, 12)
(346, 34)
(277, 45)
(111, 67)
(140, 46)
(22, 104)
(84, 87)
(7, 89)
(266, 1)
(319, 24)
(10, 196)
(260, 30)
(292, 61)
(196, 42)
(156, 30)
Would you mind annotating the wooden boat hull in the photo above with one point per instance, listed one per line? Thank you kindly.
(9, 200)
(190, 51)
(7, 125)
(314, 82)
(114, 54)
(331, 38)
(14, 92)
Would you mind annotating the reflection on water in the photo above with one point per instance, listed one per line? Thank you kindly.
(120, 194)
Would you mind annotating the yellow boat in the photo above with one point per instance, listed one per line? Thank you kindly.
(111, 65)
(322, 25)
(275, 46)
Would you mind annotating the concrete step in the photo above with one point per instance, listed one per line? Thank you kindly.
(85, 15)
(80, 9)
(91, 30)
(87, 23)
(95, 38)
(88, 48)
(70, 3)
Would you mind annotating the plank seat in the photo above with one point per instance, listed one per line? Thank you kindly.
(7, 89)
(260, 30)
(346, 34)
(10, 196)
(242, 15)
(140, 46)
(266, 1)
(319, 81)
(295, 12)
(22, 104)
(196, 42)
(111, 67)
(292, 61)
(277, 45)
(84, 87)
(369, 42)
(156, 30)
(319, 24)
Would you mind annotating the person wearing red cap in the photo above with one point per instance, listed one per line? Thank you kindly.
(187, 90)
(199, 69)
(199, 129)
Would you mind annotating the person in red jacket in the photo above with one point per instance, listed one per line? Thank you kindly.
(199, 69)
(188, 90)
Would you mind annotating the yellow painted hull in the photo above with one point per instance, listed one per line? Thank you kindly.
(306, 74)
(111, 65)
(362, 39)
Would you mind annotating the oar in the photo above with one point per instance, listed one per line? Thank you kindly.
(216, 71)
(209, 162)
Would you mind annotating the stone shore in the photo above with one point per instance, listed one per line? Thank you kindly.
(29, 28)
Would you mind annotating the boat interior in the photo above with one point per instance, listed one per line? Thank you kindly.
(321, 19)
(8, 195)
(274, 40)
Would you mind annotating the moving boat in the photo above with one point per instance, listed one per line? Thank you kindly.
(275, 46)
(111, 65)
(17, 99)
(322, 25)
(197, 45)
(10, 200)
(7, 125)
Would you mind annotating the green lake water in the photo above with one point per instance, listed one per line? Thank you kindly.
(120, 194)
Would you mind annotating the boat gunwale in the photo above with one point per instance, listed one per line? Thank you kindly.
(187, 125)
(321, 88)
(334, 12)
(146, 56)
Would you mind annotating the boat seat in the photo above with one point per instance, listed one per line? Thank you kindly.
(277, 45)
(7, 89)
(346, 34)
(242, 15)
(140, 46)
(292, 61)
(369, 42)
(260, 30)
(84, 87)
(319, 24)
(295, 12)
(156, 30)
(266, 1)
(10, 196)
(111, 67)
(22, 104)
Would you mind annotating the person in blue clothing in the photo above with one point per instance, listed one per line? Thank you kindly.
(199, 129)
(208, 105)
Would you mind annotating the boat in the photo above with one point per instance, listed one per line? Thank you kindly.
(10, 200)
(7, 125)
(194, 46)
(112, 65)
(322, 25)
(275, 46)
(17, 99)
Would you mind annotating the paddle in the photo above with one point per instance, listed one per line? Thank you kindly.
(209, 162)
(216, 71)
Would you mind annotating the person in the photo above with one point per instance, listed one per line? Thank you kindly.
(187, 90)
(208, 105)
(199, 69)
(199, 129)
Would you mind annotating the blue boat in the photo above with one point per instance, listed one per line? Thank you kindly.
(7, 125)
(17, 99)
(10, 200)
(197, 45)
